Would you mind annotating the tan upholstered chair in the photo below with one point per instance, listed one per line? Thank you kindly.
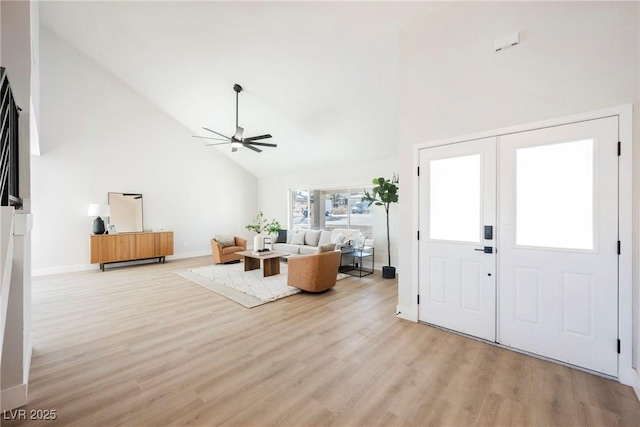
(313, 273)
(224, 255)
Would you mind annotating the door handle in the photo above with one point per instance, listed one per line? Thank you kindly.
(486, 250)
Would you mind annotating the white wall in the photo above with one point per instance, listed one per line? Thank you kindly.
(273, 197)
(98, 135)
(573, 57)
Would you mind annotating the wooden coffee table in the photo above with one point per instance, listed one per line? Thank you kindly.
(271, 262)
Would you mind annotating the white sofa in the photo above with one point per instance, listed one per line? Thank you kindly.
(305, 242)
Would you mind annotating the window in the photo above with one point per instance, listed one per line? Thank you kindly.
(329, 209)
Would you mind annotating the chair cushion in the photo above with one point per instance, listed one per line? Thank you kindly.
(327, 248)
(225, 241)
(232, 249)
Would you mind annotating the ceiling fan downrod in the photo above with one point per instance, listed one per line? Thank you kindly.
(238, 89)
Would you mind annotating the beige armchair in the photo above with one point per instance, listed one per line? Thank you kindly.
(314, 273)
(228, 254)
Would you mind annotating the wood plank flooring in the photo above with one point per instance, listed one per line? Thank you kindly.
(142, 346)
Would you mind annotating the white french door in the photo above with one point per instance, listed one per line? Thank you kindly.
(549, 283)
(558, 240)
(457, 201)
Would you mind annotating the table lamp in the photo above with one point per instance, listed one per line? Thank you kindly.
(98, 211)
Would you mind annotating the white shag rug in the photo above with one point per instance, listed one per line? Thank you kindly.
(248, 288)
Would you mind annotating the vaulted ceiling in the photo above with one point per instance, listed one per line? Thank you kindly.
(321, 77)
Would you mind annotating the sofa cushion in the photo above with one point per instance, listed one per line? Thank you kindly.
(286, 247)
(325, 237)
(311, 237)
(297, 238)
(225, 241)
(308, 250)
(290, 234)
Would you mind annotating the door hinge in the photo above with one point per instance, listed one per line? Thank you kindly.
(418, 170)
(418, 234)
(419, 303)
(619, 148)
(618, 247)
(618, 346)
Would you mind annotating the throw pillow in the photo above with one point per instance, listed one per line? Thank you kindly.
(311, 238)
(339, 239)
(297, 239)
(325, 237)
(282, 236)
(225, 241)
(327, 248)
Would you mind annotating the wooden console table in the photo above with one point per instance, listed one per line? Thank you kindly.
(110, 248)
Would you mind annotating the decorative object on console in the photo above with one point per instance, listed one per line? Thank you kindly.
(98, 211)
(384, 193)
(261, 224)
(126, 211)
(237, 140)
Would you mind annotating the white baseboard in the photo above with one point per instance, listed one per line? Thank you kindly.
(407, 313)
(13, 397)
(63, 269)
(87, 267)
(636, 384)
(191, 255)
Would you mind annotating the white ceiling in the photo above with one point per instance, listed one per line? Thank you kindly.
(321, 77)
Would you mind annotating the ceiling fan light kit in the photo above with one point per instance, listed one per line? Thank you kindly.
(236, 140)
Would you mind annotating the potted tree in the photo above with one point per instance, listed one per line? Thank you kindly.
(384, 193)
(261, 224)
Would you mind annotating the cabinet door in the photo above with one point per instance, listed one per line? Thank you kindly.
(146, 245)
(165, 243)
(118, 248)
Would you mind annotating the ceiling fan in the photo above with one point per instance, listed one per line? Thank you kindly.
(237, 140)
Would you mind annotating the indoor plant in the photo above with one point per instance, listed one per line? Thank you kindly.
(261, 224)
(384, 193)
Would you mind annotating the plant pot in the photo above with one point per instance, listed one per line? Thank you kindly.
(388, 272)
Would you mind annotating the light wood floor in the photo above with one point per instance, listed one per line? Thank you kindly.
(141, 346)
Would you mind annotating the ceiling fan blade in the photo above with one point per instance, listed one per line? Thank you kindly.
(255, 138)
(262, 144)
(219, 134)
(206, 137)
(218, 143)
(234, 149)
(253, 148)
(238, 134)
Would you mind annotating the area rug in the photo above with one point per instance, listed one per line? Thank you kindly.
(248, 288)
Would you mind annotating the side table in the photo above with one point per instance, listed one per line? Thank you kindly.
(352, 262)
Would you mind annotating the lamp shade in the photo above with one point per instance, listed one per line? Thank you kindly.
(98, 210)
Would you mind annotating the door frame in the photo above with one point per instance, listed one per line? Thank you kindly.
(626, 373)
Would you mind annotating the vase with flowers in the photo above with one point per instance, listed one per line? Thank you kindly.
(261, 225)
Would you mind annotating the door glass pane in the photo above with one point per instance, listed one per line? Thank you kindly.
(454, 199)
(554, 195)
